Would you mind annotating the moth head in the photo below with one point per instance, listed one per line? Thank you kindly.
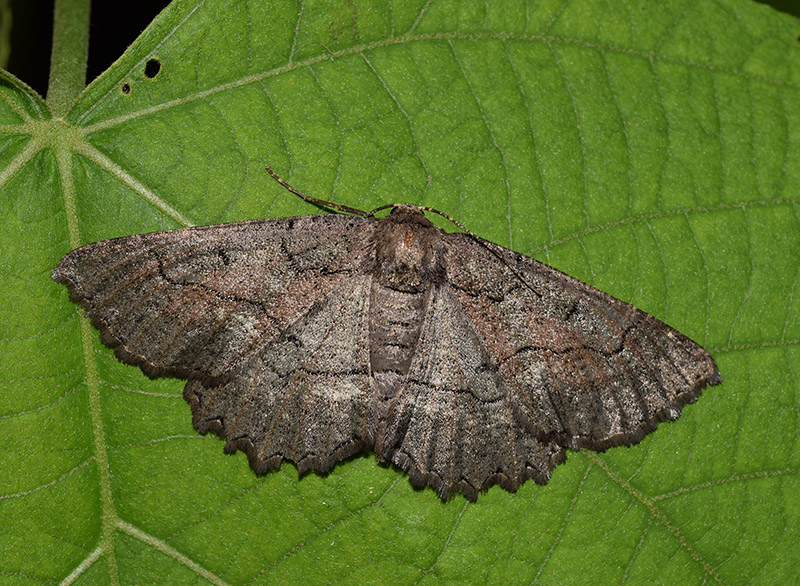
(406, 251)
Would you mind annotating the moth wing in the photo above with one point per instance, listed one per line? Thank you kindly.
(195, 302)
(584, 369)
(453, 426)
(305, 396)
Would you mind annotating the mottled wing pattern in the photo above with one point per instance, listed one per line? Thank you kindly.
(196, 302)
(453, 426)
(270, 322)
(304, 396)
(583, 369)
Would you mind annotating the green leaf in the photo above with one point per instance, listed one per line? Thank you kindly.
(649, 149)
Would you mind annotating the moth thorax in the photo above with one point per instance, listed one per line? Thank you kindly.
(405, 255)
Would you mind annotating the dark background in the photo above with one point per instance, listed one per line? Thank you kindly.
(114, 26)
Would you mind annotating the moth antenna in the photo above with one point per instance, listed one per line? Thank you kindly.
(318, 202)
(371, 213)
(447, 217)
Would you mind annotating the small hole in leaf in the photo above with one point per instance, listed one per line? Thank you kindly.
(151, 68)
(126, 88)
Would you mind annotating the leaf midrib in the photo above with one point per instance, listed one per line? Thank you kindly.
(409, 38)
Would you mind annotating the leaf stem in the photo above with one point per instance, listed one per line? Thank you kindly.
(69, 56)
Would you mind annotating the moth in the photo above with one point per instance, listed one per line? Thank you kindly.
(315, 338)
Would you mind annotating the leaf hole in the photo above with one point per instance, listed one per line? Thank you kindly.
(126, 88)
(151, 68)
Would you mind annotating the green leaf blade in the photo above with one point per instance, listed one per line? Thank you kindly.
(649, 151)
